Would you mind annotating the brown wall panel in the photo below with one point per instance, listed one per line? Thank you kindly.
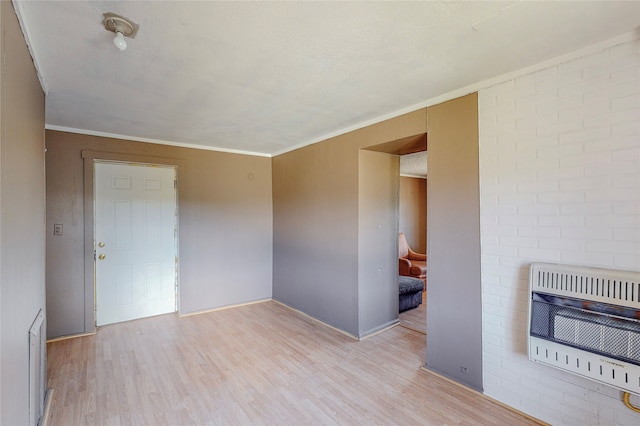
(225, 226)
(413, 212)
(22, 213)
(378, 247)
(315, 196)
(454, 309)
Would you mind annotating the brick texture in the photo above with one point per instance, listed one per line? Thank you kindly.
(560, 183)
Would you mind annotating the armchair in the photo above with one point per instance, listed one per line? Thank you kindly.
(410, 263)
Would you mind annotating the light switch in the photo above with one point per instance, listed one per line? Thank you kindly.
(57, 229)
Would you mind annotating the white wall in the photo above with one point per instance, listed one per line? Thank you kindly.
(560, 182)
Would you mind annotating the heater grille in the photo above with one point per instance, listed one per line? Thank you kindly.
(606, 334)
(586, 321)
(598, 285)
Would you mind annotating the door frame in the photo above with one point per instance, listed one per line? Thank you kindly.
(89, 157)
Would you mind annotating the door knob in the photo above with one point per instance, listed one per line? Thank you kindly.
(102, 256)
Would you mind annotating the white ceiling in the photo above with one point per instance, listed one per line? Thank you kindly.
(264, 77)
(414, 165)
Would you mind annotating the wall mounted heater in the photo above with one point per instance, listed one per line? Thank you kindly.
(586, 321)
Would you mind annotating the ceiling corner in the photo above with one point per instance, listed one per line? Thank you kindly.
(17, 7)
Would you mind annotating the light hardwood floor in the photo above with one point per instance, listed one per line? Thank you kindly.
(253, 365)
(416, 318)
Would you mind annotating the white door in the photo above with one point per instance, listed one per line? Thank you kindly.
(135, 241)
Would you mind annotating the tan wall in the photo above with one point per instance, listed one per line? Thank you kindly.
(22, 212)
(413, 212)
(454, 310)
(377, 241)
(315, 196)
(315, 216)
(225, 227)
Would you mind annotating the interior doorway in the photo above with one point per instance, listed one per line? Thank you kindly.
(416, 144)
(413, 224)
(135, 240)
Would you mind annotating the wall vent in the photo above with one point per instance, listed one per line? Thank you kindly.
(37, 369)
(586, 321)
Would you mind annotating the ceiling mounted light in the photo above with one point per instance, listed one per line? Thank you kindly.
(121, 26)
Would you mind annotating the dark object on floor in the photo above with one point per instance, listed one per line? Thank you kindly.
(410, 292)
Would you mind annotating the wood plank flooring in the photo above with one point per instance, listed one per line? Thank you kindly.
(253, 365)
(416, 318)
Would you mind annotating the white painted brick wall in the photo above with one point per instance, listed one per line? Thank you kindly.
(559, 182)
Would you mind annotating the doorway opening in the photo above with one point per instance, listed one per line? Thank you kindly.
(413, 224)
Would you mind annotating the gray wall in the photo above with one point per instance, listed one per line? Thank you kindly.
(316, 221)
(377, 241)
(22, 213)
(225, 226)
(454, 310)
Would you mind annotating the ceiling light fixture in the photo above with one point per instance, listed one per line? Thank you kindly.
(121, 26)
